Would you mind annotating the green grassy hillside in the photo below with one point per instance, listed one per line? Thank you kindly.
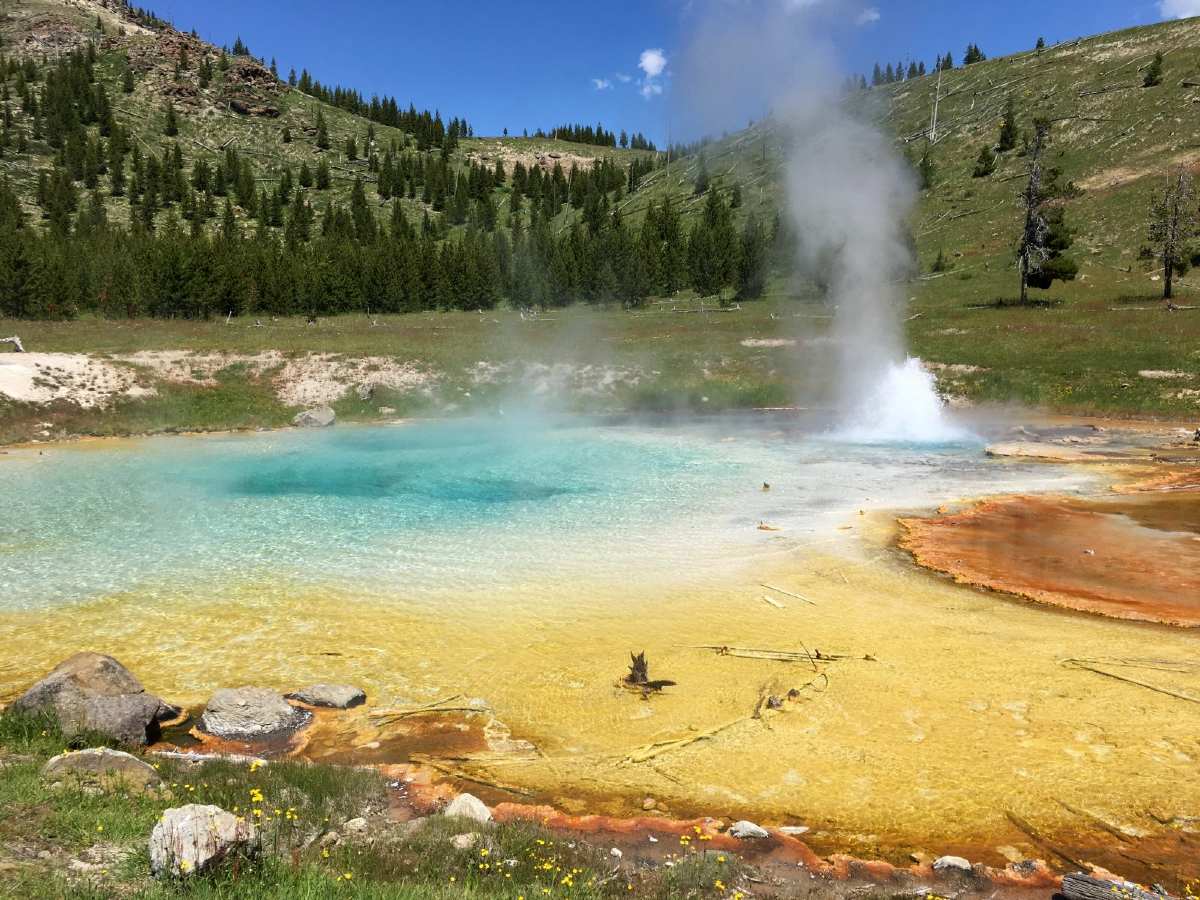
(1100, 344)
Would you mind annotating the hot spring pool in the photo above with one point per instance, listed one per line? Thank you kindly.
(470, 506)
(522, 561)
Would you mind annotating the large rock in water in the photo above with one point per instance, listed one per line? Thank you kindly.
(320, 417)
(192, 839)
(94, 692)
(100, 768)
(333, 696)
(250, 712)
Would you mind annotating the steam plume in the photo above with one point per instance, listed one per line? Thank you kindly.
(849, 196)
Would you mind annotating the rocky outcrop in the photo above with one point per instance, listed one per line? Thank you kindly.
(332, 696)
(100, 768)
(94, 692)
(193, 839)
(318, 417)
(250, 712)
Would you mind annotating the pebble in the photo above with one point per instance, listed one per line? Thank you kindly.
(468, 806)
(615, 853)
(354, 826)
(464, 841)
(649, 803)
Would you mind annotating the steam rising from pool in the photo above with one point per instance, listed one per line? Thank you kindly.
(850, 197)
(903, 407)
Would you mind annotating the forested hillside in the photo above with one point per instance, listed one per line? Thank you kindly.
(149, 173)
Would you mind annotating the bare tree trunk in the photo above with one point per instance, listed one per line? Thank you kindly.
(15, 341)
(1024, 280)
(1169, 278)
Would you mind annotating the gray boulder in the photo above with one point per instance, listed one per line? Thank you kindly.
(747, 831)
(319, 417)
(952, 864)
(193, 839)
(250, 712)
(333, 696)
(468, 806)
(94, 692)
(364, 391)
(101, 768)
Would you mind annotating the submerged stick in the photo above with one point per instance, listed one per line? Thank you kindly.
(456, 772)
(1040, 840)
(658, 748)
(1080, 664)
(779, 590)
(775, 603)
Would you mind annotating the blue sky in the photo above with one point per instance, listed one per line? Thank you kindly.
(526, 64)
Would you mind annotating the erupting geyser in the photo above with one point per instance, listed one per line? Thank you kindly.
(850, 197)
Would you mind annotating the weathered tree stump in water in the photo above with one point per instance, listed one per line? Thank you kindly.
(1084, 887)
(638, 678)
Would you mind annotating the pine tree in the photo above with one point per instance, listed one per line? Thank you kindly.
(323, 178)
(306, 177)
(985, 165)
(926, 171)
(1008, 128)
(1045, 236)
(1154, 74)
(752, 260)
(351, 149)
(322, 132)
(127, 80)
(171, 126)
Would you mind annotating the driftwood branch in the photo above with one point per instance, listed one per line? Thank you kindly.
(15, 341)
(1084, 887)
(1178, 695)
(780, 590)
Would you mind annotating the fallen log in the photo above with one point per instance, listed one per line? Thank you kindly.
(1083, 887)
(15, 341)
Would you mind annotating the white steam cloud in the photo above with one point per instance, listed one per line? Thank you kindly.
(850, 196)
(1179, 9)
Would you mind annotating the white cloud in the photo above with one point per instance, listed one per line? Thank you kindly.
(651, 89)
(1179, 9)
(623, 78)
(870, 16)
(601, 84)
(653, 62)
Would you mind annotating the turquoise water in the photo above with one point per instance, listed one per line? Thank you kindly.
(418, 508)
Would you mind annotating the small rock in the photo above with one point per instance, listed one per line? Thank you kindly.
(328, 839)
(355, 826)
(319, 417)
(615, 853)
(333, 696)
(364, 392)
(649, 803)
(387, 410)
(101, 767)
(468, 806)
(747, 830)
(250, 712)
(464, 841)
(191, 839)
(951, 864)
(794, 830)
(45, 854)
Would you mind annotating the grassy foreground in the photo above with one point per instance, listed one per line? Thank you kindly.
(57, 843)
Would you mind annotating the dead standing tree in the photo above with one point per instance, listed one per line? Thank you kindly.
(1173, 225)
(1032, 251)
